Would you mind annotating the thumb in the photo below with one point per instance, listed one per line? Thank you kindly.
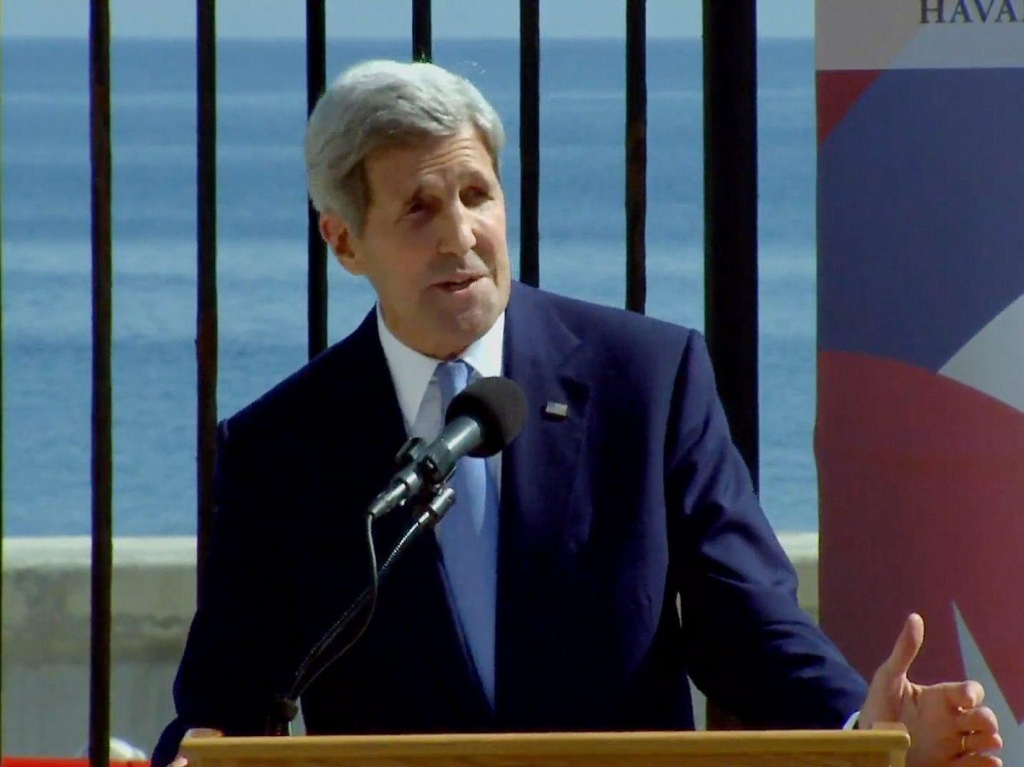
(907, 646)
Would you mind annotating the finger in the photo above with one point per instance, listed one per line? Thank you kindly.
(980, 741)
(195, 732)
(907, 646)
(977, 760)
(982, 719)
(964, 695)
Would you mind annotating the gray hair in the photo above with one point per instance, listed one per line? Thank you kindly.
(379, 104)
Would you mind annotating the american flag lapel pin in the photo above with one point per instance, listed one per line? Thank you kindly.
(557, 410)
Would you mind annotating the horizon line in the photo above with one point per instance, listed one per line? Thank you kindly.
(370, 38)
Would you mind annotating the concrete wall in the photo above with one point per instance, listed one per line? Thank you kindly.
(46, 586)
(46, 611)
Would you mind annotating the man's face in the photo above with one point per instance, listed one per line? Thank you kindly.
(433, 245)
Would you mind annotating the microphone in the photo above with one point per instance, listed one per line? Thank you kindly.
(480, 421)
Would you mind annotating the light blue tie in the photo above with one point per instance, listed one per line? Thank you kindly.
(468, 536)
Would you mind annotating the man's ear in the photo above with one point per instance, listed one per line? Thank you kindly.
(338, 235)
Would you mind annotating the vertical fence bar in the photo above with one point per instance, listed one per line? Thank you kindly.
(730, 229)
(2, 688)
(102, 443)
(636, 155)
(206, 285)
(730, 210)
(421, 34)
(316, 81)
(529, 141)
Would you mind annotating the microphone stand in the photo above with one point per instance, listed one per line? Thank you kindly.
(431, 505)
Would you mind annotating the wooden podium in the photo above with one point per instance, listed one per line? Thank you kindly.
(882, 747)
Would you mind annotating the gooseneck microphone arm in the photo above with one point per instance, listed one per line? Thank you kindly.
(285, 708)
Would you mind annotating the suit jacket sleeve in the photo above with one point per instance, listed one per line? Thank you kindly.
(751, 648)
(236, 657)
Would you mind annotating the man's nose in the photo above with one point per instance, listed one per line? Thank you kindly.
(456, 235)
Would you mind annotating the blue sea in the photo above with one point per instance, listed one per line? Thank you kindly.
(262, 251)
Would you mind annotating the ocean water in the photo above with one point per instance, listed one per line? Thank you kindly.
(44, 161)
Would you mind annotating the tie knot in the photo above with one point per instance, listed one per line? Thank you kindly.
(452, 377)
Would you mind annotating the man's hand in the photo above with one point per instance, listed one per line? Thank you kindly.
(947, 723)
(198, 732)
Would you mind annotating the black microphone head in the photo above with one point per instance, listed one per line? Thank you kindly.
(498, 405)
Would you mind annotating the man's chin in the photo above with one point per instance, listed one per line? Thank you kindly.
(466, 319)
(466, 328)
(473, 325)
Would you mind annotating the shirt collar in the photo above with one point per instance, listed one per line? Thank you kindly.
(412, 372)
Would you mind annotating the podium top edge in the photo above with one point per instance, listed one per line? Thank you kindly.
(565, 743)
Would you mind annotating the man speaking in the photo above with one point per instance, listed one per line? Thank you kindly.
(613, 549)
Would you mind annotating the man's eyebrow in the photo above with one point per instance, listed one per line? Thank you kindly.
(474, 174)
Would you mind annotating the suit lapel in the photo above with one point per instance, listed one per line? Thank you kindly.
(367, 429)
(541, 527)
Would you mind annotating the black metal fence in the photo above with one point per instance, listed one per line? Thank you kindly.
(102, 441)
(730, 151)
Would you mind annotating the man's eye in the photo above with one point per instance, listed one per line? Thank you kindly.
(476, 194)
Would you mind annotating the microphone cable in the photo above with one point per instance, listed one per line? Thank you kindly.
(286, 706)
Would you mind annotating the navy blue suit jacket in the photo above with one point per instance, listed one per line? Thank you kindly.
(632, 553)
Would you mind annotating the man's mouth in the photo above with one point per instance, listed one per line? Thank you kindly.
(459, 284)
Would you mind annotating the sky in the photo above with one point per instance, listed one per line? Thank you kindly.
(385, 18)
